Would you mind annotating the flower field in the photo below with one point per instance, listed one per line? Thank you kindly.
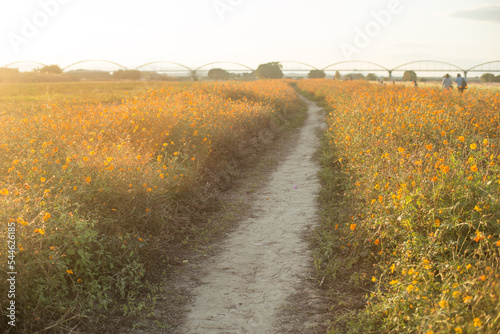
(98, 189)
(411, 206)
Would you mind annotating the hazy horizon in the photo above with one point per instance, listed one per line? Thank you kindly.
(196, 32)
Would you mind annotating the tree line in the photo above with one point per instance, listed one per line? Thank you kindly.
(271, 70)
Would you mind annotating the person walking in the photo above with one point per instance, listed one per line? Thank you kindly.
(447, 83)
(461, 83)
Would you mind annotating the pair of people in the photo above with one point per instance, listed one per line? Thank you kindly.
(448, 83)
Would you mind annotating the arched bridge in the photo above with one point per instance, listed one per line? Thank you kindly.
(288, 67)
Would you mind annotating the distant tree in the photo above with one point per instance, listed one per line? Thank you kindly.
(50, 69)
(338, 76)
(371, 77)
(89, 75)
(488, 77)
(269, 71)
(127, 75)
(248, 76)
(218, 74)
(316, 74)
(410, 76)
(9, 74)
(155, 76)
(354, 76)
(497, 78)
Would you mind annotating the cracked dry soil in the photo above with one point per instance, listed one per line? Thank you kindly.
(260, 280)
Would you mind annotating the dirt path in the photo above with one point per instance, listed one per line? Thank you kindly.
(266, 259)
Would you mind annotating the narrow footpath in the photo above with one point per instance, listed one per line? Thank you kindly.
(247, 286)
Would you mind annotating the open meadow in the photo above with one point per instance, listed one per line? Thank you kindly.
(105, 183)
(104, 187)
(411, 212)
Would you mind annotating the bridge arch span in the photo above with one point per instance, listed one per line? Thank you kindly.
(297, 62)
(225, 62)
(490, 69)
(451, 67)
(157, 63)
(25, 64)
(102, 61)
(362, 62)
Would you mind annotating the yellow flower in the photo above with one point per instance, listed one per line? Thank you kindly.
(69, 271)
(401, 150)
(445, 169)
(42, 179)
(374, 279)
(461, 138)
(467, 299)
(473, 146)
(39, 230)
(458, 330)
(88, 179)
(353, 227)
(21, 221)
(394, 282)
(46, 216)
(474, 168)
(443, 303)
(477, 322)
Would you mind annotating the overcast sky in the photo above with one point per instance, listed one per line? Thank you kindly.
(196, 32)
